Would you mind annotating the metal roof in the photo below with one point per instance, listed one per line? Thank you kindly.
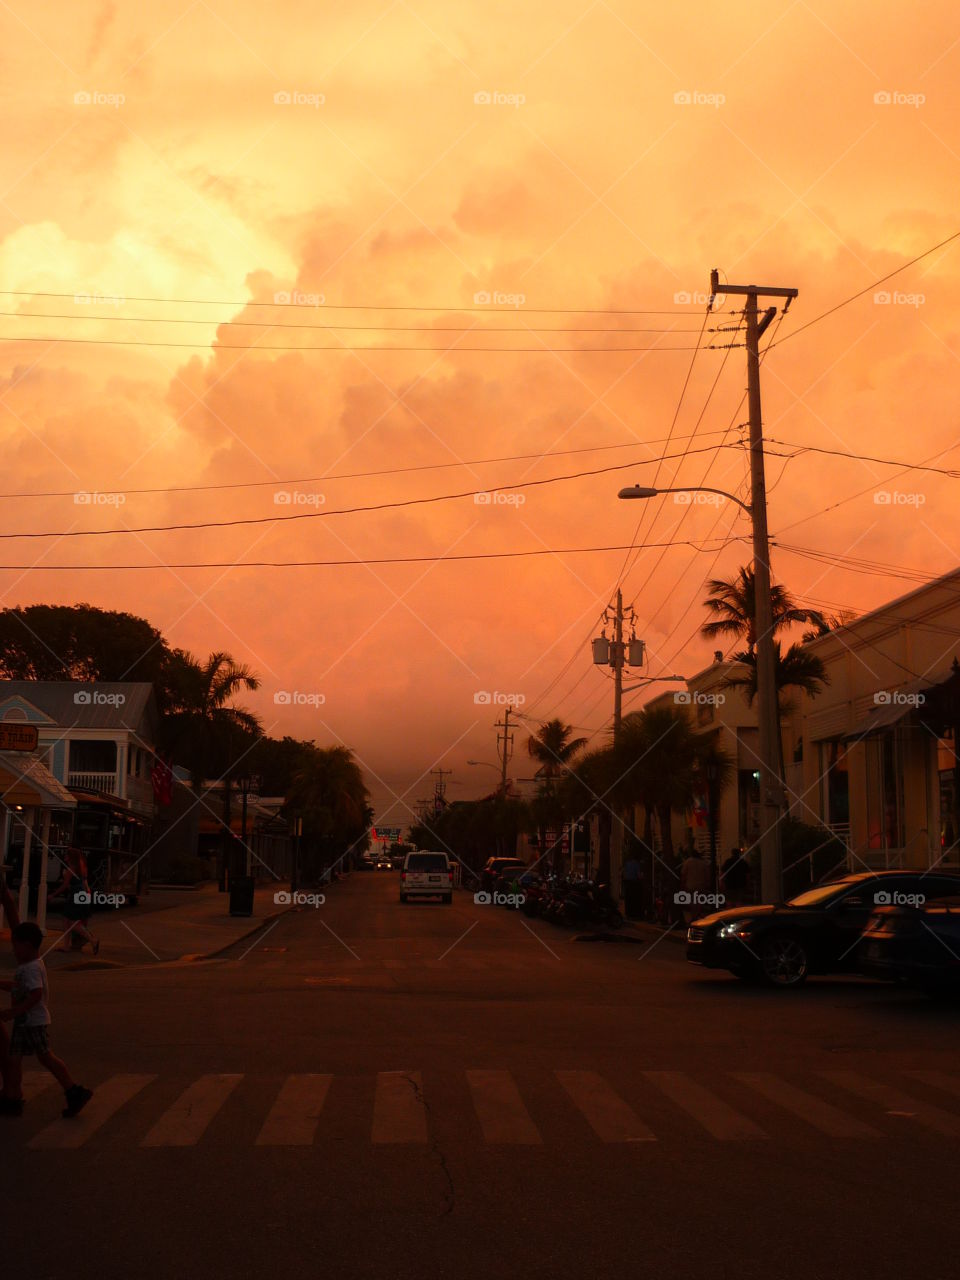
(34, 774)
(57, 699)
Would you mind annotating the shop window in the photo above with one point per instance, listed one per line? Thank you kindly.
(885, 829)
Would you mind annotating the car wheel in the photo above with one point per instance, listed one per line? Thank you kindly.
(784, 961)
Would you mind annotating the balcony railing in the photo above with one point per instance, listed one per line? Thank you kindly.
(94, 781)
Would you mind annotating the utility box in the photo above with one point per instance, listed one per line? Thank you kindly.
(601, 651)
(636, 652)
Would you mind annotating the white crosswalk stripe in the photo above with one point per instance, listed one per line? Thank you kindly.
(294, 1117)
(823, 1116)
(185, 1123)
(107, 1100)
(503, 1117)
(716, 1116)
(398, 1111)
(896, 1103)
(293, 1110)
(607, 1113)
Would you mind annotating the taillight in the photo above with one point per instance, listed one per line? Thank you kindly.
(450, 874)
(403, 875)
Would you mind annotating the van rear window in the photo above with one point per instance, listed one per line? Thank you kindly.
(427, 862)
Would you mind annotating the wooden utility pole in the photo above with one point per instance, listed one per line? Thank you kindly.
(506, 750)
(768, 720)
(618, 667)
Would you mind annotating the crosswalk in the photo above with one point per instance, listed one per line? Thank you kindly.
(491, 1107)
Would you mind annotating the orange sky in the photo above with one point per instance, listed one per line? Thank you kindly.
(584, 183)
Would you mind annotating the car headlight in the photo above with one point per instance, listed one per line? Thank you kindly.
(734, 929)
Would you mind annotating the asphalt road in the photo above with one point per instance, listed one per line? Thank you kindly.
(425, 1090)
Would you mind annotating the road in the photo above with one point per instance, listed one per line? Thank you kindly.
(426, 1090)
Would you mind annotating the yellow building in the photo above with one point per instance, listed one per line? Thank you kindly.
(873, 755)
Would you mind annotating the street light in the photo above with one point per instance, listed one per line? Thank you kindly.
(645, 491)
(767, 711)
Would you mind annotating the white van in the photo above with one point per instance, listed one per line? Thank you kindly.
(426, 875)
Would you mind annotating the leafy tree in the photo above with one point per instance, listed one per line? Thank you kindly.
(655, 762)
(80, 642)
(329, 794)
(795, 669)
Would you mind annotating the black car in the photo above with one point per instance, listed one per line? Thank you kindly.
(817, 932)
(915, 944)
(497, 867)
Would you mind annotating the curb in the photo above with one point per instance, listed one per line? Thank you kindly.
(213, 955)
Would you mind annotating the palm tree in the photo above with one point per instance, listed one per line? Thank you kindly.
(211, 736)
(795, 669)
(329, 793)
(732, 604)
(553, 748)
(656, 755)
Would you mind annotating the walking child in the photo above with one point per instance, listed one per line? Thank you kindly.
(30, 1014)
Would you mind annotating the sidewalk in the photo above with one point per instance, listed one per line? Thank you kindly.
(637, 932)
(166, 925)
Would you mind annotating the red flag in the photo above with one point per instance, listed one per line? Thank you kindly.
(161, 775)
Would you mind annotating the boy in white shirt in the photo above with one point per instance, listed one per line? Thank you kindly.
(31, 1026)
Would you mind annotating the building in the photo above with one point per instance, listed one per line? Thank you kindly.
(873, 757)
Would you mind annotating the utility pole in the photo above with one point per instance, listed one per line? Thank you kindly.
(613, 654)
(439, 790)
(506, 738)
(768, 720)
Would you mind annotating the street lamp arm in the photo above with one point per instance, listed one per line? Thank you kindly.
(644, 491)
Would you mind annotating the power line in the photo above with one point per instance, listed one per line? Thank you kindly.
(237, 346)
(324, 514)
(371, 328)
(322, 564)
(859, 294)
(477, 309)
(952, 472)
(354, 475)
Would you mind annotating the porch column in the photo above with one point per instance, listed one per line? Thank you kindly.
(4, 846)
(44, 861)
(24, 901)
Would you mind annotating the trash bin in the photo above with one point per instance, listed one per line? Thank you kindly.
(241, 896)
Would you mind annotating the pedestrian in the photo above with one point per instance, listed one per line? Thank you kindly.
(11, 915)
(734, 877)
(30, 1035)
(633, 887)
(77, 906)
(696, 883)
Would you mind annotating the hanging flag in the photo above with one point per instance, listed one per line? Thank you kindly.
(161, 775)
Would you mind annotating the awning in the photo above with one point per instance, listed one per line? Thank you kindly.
(25, 779)
(896, 706)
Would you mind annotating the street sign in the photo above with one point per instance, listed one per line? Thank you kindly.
(18, 737)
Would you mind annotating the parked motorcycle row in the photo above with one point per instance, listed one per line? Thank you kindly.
(561, 900)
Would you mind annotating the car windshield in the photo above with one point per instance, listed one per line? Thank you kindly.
(822, 893)
(427, 862)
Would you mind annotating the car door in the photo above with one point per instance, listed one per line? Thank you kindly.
(844, 921)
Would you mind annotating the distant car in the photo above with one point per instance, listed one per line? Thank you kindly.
(915, 943)
(426, 875)
(496, 868)
(383, 864)
(816, 932)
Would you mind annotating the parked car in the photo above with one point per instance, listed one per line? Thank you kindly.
(496, 867)
(426, 875)
(816, 932)
(916, 944)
